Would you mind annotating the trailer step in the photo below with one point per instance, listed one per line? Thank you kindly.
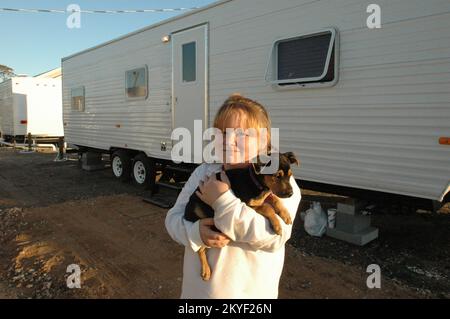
(174, 186)
(181, 169)
(165, 192)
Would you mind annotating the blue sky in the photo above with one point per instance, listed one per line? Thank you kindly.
(33, 43)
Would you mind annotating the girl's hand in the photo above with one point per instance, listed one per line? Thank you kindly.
(210, 237)
(211, 188)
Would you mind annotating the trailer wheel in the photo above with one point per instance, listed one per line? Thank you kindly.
(144, 171)
(121, 165)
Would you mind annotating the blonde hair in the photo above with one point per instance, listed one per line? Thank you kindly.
(254, 115)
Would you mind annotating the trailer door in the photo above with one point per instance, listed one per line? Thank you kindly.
(190, 83)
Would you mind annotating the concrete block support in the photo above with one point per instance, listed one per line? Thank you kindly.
(351, 225)
(360, 238)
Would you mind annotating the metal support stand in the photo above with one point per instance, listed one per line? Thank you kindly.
(60, 157)
(30, 143)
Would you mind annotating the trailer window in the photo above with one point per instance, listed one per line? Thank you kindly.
(78, 98)
(189, 62)
(307, 59)
(136, 83)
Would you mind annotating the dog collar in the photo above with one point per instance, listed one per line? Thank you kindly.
(254, 179)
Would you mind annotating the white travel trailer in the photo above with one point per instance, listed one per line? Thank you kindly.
(363, 108)
(31, 105)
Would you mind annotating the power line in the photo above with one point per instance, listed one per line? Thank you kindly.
(96, 11)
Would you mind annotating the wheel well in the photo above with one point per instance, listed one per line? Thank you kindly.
(134, 153)
(130, 153)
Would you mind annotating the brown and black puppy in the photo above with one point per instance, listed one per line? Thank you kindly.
(260, 191)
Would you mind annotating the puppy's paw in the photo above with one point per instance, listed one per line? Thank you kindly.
(254, 202)
(286, 217)
(206, 273)
(277, 228)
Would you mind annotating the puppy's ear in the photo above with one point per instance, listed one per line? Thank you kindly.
(291, 157)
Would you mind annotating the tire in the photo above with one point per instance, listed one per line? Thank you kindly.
(121, 165)
(143, 171)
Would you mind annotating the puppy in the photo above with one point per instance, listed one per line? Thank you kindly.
(260, 191)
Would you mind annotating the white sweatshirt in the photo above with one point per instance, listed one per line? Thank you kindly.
(251, 265)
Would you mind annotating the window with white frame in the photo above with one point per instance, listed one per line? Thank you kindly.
(136, 83)
(77, 99)
(305, 60)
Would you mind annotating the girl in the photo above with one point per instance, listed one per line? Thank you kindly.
(246, 257)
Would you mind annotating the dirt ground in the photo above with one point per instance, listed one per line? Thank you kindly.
(53, 214)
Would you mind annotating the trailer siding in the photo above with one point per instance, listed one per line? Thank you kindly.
(377, 129)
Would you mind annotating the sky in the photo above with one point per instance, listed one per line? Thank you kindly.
(33, 43)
